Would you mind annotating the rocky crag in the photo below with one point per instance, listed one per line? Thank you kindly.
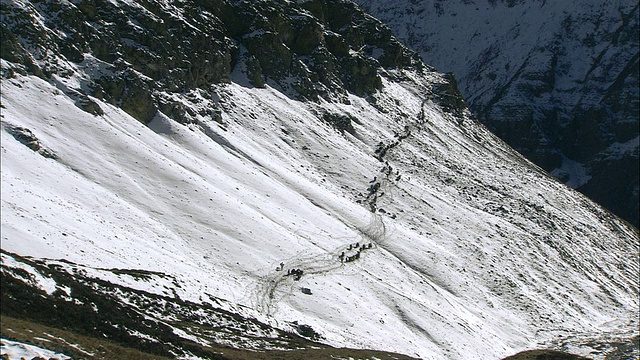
(142, 52)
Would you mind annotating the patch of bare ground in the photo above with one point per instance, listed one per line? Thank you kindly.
(80, 347)
(544, 355)
(70, 343)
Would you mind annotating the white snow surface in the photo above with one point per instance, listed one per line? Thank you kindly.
(17, 350)
(573, 172)
(477, 255)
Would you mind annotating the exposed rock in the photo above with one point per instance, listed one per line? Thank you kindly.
(28, 139)
(319, 48)
(90, 106)
(25, 136)
(449, 96)
(340, 122)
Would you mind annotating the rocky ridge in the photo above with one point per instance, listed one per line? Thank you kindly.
(140, 53)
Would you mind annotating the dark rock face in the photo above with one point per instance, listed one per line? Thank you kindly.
(318, 48)
(556, 81)
(146, 47)
(28, 139)
(449, 95)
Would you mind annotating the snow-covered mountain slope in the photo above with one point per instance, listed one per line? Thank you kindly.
(557, 80)
(415, 229)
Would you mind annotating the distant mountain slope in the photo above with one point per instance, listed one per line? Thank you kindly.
(198, 192)
(557, 80)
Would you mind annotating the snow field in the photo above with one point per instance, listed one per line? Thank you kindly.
(476, 253)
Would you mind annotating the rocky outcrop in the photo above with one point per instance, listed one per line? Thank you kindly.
(318, 48)
(28, 139)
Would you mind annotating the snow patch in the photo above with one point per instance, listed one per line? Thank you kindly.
(574, 174)
(18, 350)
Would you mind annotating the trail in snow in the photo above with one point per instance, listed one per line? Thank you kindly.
(271, 288)
(279, 283)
